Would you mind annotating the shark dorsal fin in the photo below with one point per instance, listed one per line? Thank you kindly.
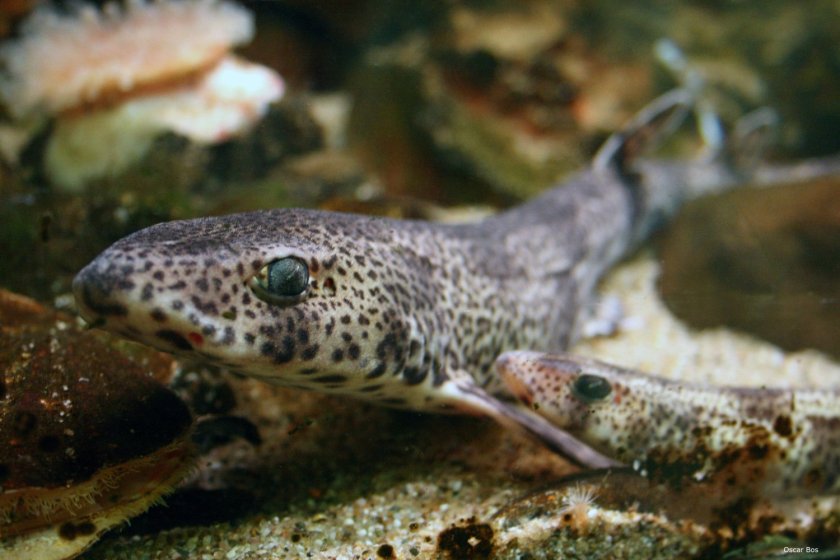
(643, 133)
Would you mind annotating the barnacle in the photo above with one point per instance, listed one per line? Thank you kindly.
(577, 504)
(87, 437)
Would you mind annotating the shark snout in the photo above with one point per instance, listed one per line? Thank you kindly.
(96, 290)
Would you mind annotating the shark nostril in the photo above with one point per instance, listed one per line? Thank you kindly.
(91, 290)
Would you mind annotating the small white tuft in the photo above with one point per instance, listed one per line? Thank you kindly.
(578, 505)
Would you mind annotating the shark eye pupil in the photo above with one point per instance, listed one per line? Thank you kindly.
(282, 282)
(287, 277)
(591, 388)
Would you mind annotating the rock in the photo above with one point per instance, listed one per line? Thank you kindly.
(764, 261)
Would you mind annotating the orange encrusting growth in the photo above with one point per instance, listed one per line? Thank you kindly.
(67, 60)
(138, 483)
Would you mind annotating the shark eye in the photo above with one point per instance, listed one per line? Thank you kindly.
(283, 281)
(591, 388)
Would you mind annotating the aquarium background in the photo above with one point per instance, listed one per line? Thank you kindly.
(437, 110)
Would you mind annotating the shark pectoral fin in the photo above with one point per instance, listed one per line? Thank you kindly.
(643, 133)
(551, 436)
(466, 397)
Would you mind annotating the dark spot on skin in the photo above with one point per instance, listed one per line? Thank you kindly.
(337, 355)
(329, 286)
(174, 338)
(377, 371)
(230, 314)
(309, 352)
(49, 444)
(345, 319)
(303, 336)
(385, 551)
(783, 425)
(287, 352)
(229, 336)
(386, 345)
(414, 376)
(158, 315)
(148, 292)
(354, 351)
(471, 542)
(207, 307)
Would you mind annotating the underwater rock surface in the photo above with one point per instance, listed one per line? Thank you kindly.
(88, 438)
(764, 261)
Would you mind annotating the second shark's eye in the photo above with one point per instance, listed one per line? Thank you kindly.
(283, 281)
(591, 388)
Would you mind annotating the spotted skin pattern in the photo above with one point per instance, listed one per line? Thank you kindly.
(770, 442)
(403, 313)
